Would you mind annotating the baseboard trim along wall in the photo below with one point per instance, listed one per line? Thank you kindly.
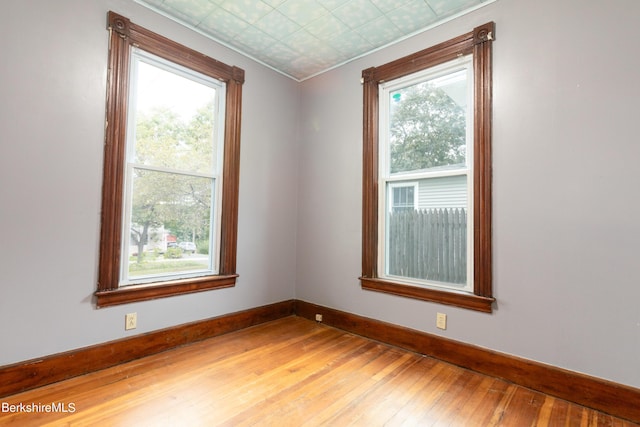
(612, 398)
(606, 396)
(50, 369)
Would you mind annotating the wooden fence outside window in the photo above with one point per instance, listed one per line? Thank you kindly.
(428, 244)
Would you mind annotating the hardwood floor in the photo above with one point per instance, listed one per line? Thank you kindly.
(291, 372)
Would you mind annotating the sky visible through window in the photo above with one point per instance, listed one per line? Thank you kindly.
(160, 88)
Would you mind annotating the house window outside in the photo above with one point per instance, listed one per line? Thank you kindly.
(403, 197)
(427, 126)
(171, 169)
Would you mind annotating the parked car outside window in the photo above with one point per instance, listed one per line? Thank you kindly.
(187, 246)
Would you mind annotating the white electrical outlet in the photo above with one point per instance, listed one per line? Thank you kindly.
(130, 321)
(441, 321)
(318, 317)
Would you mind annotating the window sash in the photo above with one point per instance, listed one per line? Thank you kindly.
(126, 279)
(139, 55)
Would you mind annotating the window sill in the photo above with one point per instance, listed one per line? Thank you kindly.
(457, 299)
(136, 293)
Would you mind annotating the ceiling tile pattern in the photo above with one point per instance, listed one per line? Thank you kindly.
(303, 38)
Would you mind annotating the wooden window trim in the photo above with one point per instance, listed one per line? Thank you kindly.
(123, 36)
(479, 43)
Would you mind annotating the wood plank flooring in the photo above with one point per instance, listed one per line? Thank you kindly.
(292, 372)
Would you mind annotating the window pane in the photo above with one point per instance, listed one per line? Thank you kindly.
(174, 121)
(427, 127)
(168, 212)
(430, 243)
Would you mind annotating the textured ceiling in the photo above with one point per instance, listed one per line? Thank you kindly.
(303, 38)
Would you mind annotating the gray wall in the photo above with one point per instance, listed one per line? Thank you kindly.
(565, 162)
(566, 210)
(52, 100)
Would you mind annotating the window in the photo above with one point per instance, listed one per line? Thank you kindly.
(402, 197)
(427, 174)
(424, 123)
(170, 192)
